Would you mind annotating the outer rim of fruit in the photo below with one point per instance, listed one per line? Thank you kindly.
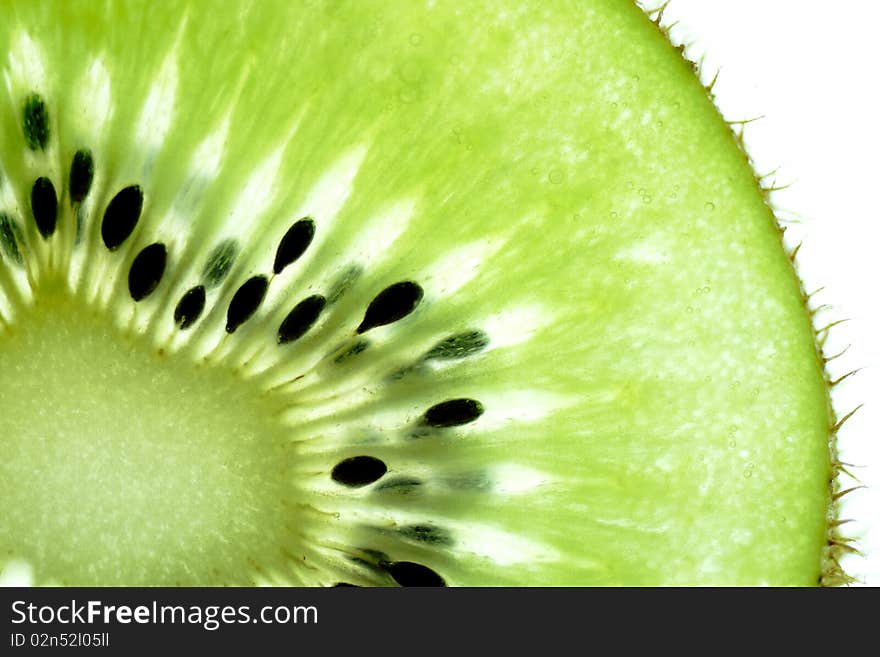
(832, 573)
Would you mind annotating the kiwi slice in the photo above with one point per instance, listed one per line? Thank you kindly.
(380, 293)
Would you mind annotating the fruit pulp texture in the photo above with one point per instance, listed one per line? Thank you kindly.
(553, 176)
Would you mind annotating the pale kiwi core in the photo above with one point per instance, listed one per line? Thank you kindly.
(119, 464)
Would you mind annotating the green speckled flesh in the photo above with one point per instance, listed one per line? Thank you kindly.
(596, 282)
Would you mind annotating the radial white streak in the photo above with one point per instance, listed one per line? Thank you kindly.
(513, 478)
(257, 194)
(326, 198)
(208, 156)
(454, 270)
(520, 406)
(17, 573)
(158, 112)
(504, 548)
(94, 106)
(384, 229)
(26, 65)
(515, 325)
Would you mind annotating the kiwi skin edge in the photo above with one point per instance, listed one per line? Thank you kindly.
(837, 544)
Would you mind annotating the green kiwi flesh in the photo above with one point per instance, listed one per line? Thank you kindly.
(385, 293)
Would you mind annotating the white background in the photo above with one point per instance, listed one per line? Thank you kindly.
(810, 69)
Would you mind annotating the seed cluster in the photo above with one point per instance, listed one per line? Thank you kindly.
(44, 205)
(121, 219)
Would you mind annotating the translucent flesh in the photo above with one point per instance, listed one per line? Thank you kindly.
(122, 465)
(552, 174)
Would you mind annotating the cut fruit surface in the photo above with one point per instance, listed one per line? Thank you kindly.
(391, 293)
(116, 457)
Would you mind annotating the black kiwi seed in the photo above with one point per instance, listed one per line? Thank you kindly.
(245, 302)
(401, 372)
(147, 270)
(358, 347)
(35, 121)
(358, 471)
(294, 243)
(80, 221)
(401, 485)
(220, 262)
(477, 480)
(44, 205)
(343, 283)
(391, 304)
(190, 307)
(458, 346)
(408, 573)
(82, 172)
(121, 216)
(452, 413)
(301, 318)
(426, 534)
(9, 237)
(339, 585)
